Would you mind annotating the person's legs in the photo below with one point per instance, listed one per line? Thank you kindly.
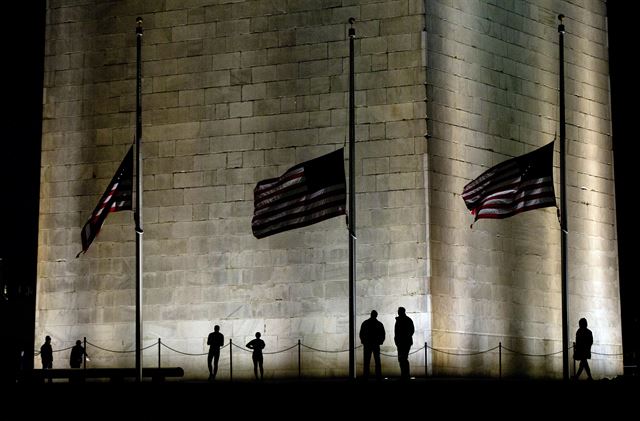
(255, 367)
(261, 369)
(216, 357)
(376, 360)
(366, 361)
(403, 360)
(587, 369)
(580, 367)
(209, 358)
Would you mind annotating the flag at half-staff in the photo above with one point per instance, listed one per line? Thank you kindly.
(309, 192)
(517, 185)
(116, 198)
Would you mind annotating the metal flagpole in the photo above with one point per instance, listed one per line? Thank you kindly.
(563, 208)
(352, 207)
(138, 212)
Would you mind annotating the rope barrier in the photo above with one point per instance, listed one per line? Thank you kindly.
(411, 353)
(465, 354)
(534, 355)
(328, 351)
(611, 355)
(183, 353)
(116, 351)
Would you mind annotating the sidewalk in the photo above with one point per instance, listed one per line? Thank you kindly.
(335, 398)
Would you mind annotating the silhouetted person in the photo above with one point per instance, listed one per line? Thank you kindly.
(46, 355)
(215, 341)
(77, 352)
(582, 350)
(403, 333)
(257, 345)
(371, 337)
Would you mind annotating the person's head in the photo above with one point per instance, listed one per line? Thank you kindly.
(258, 335)
(582, 322)
(47, 339)
(78, 342)
(401, 311)
(216, 328)
(374, 314)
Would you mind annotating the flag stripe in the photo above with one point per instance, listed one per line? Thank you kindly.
(117, 197)
(514, 186)
(307, 193)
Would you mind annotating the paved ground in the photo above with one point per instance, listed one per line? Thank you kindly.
(337, 398)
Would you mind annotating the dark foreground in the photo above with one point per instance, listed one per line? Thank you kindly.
(317, 399)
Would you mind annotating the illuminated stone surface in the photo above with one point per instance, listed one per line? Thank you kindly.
(235, 92)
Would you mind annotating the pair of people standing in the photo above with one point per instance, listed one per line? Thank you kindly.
(75, 359)
(216, 341)
(372, 335)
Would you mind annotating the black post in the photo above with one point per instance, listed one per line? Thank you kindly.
(563, 209)
(230, 360)
(299, 362)
(159, 348)
(574, 361)
(500, 360)
(84, 356)
(138, 212)
(426, 366)
(352, 206)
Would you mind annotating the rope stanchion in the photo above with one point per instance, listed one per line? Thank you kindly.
(84, 355)
(574, 361)
(500, 360)
(299, 345)
(426, 366)
(299, 362)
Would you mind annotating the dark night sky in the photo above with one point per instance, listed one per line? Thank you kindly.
(20, 163)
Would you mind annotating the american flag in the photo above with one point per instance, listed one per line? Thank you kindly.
(517, 185)
(307, 193)
(116, 198)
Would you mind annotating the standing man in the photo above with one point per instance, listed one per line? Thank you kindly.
(403, 333)
(46, 353)
(215, 341)
(582, 348)
(77, 354)
(372, 336)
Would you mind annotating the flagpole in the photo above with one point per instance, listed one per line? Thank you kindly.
(563, 209)
(352, 207)
(138, 211)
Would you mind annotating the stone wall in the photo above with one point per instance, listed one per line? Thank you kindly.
(233, 92)
(238, 91)
(492, 76)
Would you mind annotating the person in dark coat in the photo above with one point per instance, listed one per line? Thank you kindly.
(46, 353)
(77, 353)
(582, 349)
(215, 341)
(372, 336)
(403, 333)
